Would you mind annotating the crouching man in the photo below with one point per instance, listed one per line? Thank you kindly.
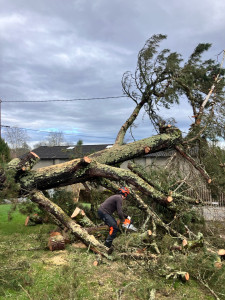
(107, 208)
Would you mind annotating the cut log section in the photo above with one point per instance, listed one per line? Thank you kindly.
(147, 150)
(23, 164)
(56, 241)
(218, 265)
(80, 217)
(221, 252)
(95, 263)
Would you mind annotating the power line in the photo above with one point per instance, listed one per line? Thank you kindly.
(64, 100)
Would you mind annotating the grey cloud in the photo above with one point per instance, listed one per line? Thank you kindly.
(80, 49)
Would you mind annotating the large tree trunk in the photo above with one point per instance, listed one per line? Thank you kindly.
(76, 229)
(79, 170)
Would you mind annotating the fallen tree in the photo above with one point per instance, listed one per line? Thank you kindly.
(158, 81)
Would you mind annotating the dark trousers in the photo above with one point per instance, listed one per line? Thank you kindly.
(113, 228)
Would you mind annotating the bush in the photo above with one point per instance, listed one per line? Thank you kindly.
(64, 199)
(4, 151)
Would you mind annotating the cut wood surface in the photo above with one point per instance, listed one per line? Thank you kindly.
(56, 242)
(183, 276)
(54, 233)
(80, 217)
(23, 164)
(221, 252)
(27, 220)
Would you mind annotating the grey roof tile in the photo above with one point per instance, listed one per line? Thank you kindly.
(66, 152)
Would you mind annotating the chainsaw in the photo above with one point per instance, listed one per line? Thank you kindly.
(128, 224)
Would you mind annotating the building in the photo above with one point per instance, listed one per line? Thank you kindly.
(52, 155)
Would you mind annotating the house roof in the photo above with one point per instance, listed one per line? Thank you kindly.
(165, 153)
(67, 152)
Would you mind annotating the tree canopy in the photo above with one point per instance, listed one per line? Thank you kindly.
(162, 78)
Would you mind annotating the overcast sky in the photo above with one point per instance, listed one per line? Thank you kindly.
(69, 49)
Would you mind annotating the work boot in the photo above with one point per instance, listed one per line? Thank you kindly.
(108, 244)
(110, 251)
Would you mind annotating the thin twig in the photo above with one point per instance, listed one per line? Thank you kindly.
(121, 291)
(207, 286)
(180, 185)
(25, 291)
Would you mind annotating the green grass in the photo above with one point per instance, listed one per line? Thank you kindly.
(16, 224)
(28, 270)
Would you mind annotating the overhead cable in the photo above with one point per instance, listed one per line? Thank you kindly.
(64, 100)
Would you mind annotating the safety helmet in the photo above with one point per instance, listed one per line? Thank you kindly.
(125, 191)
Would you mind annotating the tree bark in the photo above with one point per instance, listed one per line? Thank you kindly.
(74, 171)
(128, 123)
(89, 172)
(24, 164)
(118, 154)
(76, 229)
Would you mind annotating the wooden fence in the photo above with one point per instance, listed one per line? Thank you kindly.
(206, 196)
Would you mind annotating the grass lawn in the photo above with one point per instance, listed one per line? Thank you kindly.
(28, 270)
(16, 224)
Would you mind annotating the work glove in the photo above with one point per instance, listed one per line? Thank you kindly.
(127, 222)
